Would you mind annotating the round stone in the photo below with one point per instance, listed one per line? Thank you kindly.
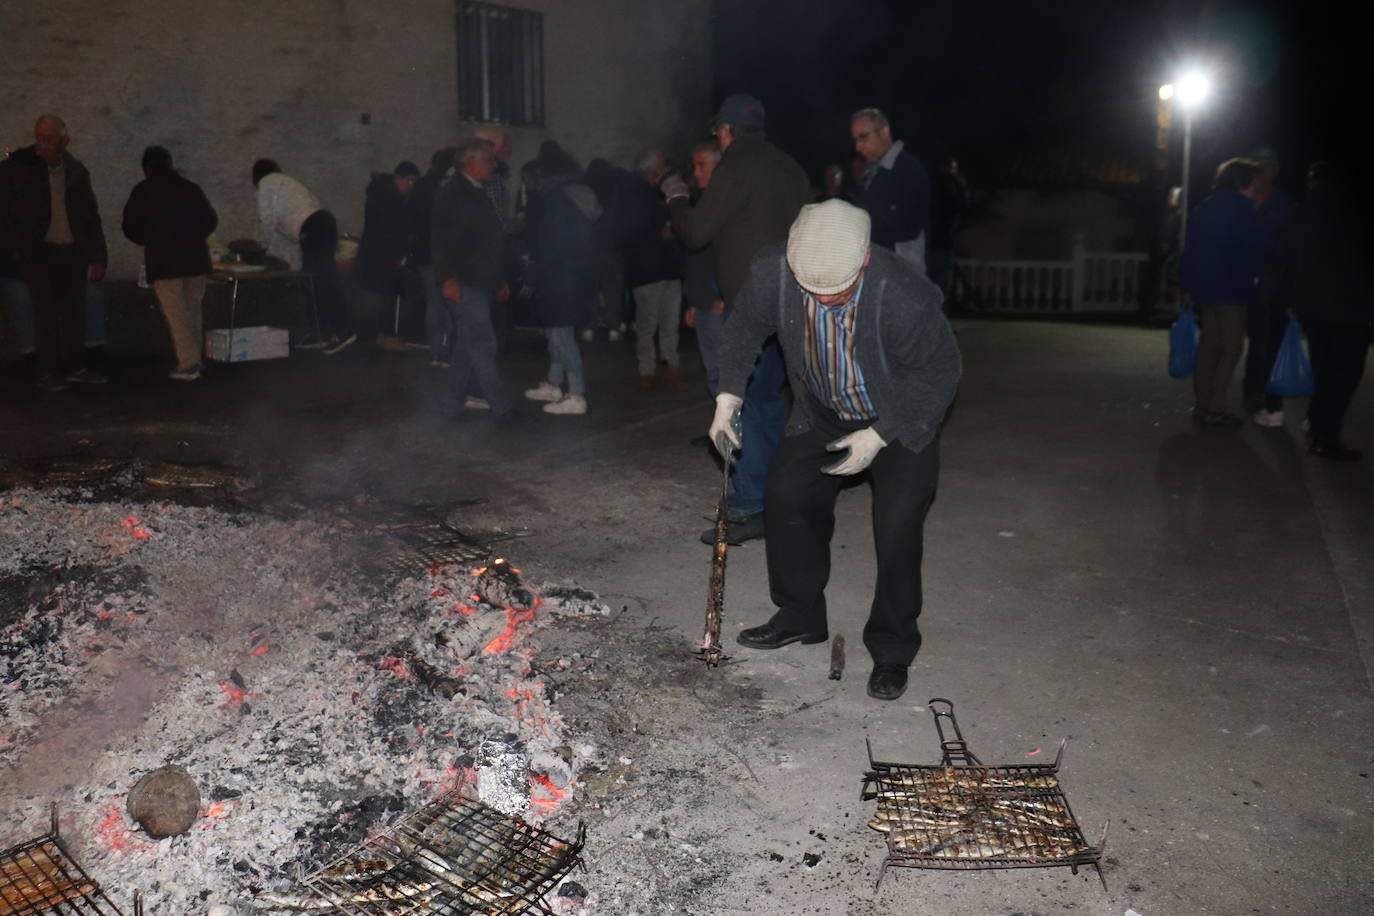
(166, 802)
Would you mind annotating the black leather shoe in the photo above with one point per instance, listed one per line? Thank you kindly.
(887, 682)
(737, 530)
(770, 637)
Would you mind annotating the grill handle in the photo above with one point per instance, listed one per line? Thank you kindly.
(954, 750)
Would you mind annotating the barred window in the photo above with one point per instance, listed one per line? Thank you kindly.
(500, 64)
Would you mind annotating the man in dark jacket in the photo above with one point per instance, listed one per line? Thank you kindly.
(873, 367)
(50, 228)
(653, 270)
(896, 189)
(420, 208)
(382, 250)
(466, 238)
(1333, 291)
(754, 195)
(170, 217)
(1219, 272)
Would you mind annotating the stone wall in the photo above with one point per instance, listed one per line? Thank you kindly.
(331, 89)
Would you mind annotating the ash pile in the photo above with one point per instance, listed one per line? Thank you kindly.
(314, 694)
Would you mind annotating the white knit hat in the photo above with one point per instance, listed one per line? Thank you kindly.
(827, 245)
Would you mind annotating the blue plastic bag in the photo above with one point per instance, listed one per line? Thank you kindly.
(1183, 344)
(1291, 376)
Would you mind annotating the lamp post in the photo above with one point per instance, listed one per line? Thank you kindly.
(1191, 90)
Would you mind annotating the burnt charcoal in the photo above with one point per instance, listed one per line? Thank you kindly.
(572, 891)
(434, 679)
(329, 838)
(500, 585)
(811, 859)
(237, 679)
(325, 636)
(224, 793)
(568, 593)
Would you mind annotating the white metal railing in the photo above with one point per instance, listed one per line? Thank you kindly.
(1091, 281)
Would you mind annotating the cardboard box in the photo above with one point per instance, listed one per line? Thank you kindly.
(243, 344)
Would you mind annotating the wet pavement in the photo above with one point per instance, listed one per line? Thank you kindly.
(1192, 607)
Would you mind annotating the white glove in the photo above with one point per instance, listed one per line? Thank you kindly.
(863, 448)
(673, 186)
(726, 426)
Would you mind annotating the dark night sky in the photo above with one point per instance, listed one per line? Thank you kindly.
(976, 78)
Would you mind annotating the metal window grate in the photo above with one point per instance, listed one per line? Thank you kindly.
(500, 64)
(40, 877)
(453, 856)
(962, 814)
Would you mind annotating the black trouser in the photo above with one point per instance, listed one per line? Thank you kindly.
(799, 519)
(57, 283)
(1266, 322)
(319, 243)
(1338, 352)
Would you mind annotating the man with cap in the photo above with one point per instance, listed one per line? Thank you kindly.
(754, 195)
(873, 366)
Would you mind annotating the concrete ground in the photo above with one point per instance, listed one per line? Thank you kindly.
(1192, 608)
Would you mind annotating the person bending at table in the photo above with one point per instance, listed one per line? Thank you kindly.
(295, 228)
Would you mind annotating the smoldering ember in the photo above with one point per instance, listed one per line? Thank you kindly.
(310, 709)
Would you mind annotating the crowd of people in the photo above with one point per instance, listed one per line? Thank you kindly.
(834, 294)
(773, 281)
(1253, 257)
(576, 252)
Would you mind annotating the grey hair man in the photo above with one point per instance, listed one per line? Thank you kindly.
(705, 308)
(896, 187)
(50, 228)
(873, 367)
(498, 185)
(466, 242)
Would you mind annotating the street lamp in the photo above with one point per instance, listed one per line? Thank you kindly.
(1191, 90)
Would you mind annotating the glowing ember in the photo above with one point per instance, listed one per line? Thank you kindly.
(514, 618)
(551, 797)
(236, 695)
(131, 523)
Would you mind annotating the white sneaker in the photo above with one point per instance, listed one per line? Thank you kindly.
(1273, 419)
(572, 404)
(613, 335)
(547, 391)
(588, 335)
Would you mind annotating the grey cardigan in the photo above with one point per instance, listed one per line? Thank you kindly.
(904, 345)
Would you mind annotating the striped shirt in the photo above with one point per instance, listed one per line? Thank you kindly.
(832, 370)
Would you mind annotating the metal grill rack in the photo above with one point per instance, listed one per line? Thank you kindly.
(412, 549)
(963, 814)
(40, 877)
(455, 857)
